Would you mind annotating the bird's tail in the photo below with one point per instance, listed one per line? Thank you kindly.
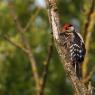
(78, 70)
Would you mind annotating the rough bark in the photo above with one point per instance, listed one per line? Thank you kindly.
(78, 86)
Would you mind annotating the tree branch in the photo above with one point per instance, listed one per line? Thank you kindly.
(14, 44)
(87, 23)
(88, 29)
(32, 18)
(87, 44)
(26, 44)
(46, 67)
(79, 87)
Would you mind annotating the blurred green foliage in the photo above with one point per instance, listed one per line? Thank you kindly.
(15, 70)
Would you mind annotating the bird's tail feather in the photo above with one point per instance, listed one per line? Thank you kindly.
(78, 70)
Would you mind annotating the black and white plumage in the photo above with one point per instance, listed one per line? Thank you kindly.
(74, 43)
(77, 48)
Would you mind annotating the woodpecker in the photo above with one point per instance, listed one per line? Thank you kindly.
(73, 42)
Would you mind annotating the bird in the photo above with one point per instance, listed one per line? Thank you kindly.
(74, 43)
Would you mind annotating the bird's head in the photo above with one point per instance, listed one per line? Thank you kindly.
(68, 28)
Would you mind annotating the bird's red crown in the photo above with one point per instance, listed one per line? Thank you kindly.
(66, 27)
